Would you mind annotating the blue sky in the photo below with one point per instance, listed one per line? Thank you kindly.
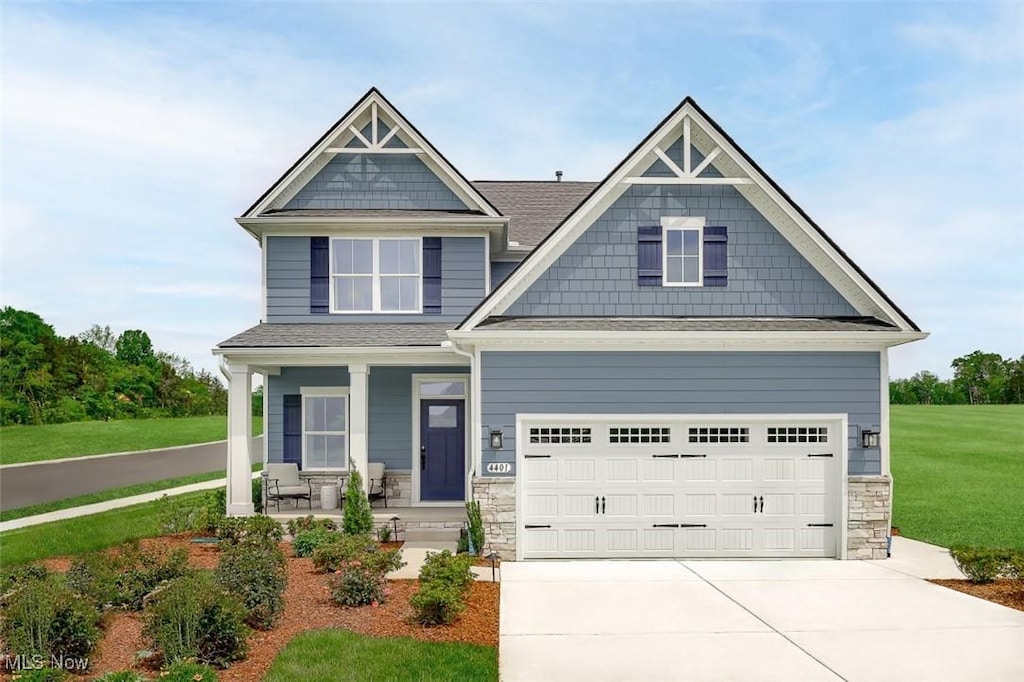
(133, 134)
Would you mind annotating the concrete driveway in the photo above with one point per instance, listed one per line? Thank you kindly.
(748, 620)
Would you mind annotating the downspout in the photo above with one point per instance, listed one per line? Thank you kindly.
(473, 411)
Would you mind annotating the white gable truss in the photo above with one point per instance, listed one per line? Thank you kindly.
(688, 121)
(387, 128)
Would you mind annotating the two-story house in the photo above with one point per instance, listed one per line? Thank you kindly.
(675, 361)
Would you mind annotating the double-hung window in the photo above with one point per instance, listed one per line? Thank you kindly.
(324, 429)
(682, 253)
(378, 275)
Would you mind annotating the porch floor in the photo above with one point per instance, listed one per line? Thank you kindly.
(381, 515)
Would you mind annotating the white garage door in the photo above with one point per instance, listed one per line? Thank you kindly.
(682, 487)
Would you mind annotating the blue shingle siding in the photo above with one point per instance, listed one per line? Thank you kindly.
(500, 270)
(598, 274)
(463, 278)
(370, 181)
(390, 407)
(680, 383)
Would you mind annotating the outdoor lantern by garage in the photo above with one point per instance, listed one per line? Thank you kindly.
(497, 439)
(869, 438)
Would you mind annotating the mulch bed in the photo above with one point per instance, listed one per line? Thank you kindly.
(1006, 592)
(307, 606)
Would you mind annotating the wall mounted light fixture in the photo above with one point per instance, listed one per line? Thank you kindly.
(497, 439)
(869, 438)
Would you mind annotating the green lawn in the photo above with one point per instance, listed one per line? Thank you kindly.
(113, 494)
(54, 441)
(958, 474)
(83, 534)
(340, 655)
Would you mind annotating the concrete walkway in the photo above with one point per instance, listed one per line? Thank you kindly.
(783, 621)
(24, 485)
(921, 560)
(414, 554)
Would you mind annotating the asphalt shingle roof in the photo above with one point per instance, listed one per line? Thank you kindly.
(535, 208)
(329, 335)
(687, 324)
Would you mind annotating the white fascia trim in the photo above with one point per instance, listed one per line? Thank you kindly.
(463, 189)
(284, 226)
(589, 340)
(331, 357)
(543, 256)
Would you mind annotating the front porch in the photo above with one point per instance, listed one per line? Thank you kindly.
(330, 413)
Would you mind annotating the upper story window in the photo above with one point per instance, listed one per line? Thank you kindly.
(378, 275)
(683, 252)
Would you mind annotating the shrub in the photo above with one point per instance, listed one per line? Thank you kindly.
(445, 579)
(44, 617)
(95, 577)
(448, 569)
(305, 542)
(255, 573)
(979, 564)
(1015, 564)
(476, 527)
(384, 533)
(42, 675)
(357, 517)
(187, 671)
(19, 575)
(190, 514)
(308, 522)
(193, 617)
(121, 676)
(258, 529)
(357, 586)
(342, 549)
(257, 495)
(437, 603)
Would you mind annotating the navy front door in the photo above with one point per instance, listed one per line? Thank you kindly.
(442, 449)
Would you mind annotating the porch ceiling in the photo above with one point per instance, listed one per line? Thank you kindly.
(327, 335)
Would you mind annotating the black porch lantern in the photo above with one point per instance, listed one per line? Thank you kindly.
(497, 439)
(869, 439)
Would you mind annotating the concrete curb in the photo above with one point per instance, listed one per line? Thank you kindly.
(87, 509)
(86, 458)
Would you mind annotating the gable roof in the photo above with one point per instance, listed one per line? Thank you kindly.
(534, 207)
(763, 192)
(338, 135)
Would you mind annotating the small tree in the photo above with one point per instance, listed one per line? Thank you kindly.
(358, 517)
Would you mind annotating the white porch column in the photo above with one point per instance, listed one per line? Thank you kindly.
(358, 440)
(239, 437)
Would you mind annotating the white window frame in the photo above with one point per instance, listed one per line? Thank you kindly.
(374, 275)
(327, 392)
(682, 224)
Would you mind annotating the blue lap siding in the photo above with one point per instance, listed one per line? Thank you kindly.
(463, 281)
(542, 382)
(390, 407)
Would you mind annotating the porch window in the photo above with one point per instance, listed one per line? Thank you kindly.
(325, 429)
(379, 275)
(683, 264)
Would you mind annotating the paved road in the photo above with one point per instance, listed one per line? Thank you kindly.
(22, 486)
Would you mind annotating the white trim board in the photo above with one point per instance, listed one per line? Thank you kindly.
(784, 215)
(370, 107)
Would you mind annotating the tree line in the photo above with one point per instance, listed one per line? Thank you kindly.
(48, 379)
(979, 378)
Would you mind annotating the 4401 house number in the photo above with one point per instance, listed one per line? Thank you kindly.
(499, 468)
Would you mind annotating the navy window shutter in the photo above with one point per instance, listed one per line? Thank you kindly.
(648, 255)
(319, 275)
(432, 275)
(292, 450)
(716, 266)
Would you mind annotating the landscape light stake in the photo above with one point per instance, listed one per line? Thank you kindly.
(493, 556)
(394, 522)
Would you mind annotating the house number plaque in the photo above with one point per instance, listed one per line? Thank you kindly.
(499, 468)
